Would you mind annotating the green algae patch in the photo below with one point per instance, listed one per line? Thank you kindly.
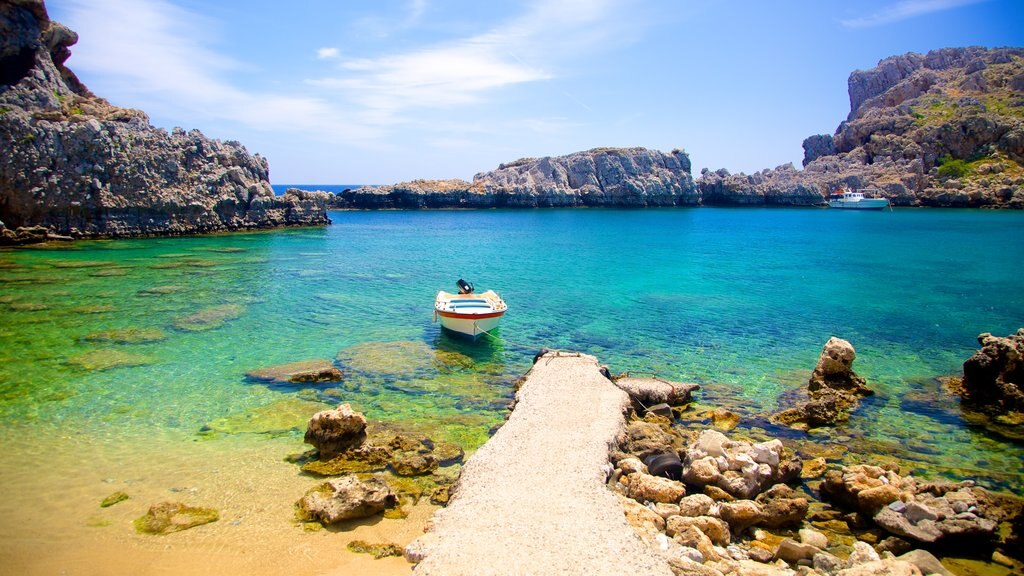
(97, 522)
(93, 309)
(278, 417)
(81, 263)
(27, 307)
(402, 359)
(127, 336)
(305, 371)
(209, 318)
(167, 517)
(107, 358)
(114, 498)
(381, 550)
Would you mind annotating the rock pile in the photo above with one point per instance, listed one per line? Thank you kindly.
(834, 389)
(77, 166)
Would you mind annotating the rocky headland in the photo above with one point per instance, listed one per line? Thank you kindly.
(74, 165)
(944, 128)
(623, 177)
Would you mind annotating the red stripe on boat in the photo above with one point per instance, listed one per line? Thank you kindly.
(469, 316)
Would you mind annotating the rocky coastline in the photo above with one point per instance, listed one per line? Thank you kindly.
(701, 494)
(942, 129)
(75, 166)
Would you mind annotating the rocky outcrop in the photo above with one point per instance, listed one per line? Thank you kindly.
(633, 177)
(992, 389)
(940, 129)
(335, 431)
(782, 186)
(833, 389)
(81, 167)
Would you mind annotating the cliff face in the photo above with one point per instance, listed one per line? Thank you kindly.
(633, 177)
(78, 166)
(941, 129)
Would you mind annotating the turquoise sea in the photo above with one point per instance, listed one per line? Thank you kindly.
(133, 347)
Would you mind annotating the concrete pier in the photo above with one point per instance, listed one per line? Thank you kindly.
(533, 499)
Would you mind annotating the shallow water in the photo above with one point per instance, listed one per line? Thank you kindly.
(138, 348)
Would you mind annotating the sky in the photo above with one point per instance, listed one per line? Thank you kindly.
(384, 91)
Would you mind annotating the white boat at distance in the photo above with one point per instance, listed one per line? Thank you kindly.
(856, 201)
(467, 312)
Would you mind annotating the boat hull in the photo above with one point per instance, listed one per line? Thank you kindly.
(471, 326)
(864, 204)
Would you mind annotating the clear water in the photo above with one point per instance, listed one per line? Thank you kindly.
(739, 300)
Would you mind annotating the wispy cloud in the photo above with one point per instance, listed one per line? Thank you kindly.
(904, 10)
(327, 53)
(466, 71)
(156, 55)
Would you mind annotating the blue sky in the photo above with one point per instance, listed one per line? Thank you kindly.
(382, 91)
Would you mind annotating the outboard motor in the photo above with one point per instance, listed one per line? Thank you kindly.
(464, 287)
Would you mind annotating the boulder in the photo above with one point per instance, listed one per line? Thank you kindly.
(696, 505)
(335, 431)
(792, 551)
(714, 528)
(740, 468)
(782, 507)
(741, 514)
(345, 498)
(993, 384)
(651, 391)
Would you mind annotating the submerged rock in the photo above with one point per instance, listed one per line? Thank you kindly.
(298, 372)
(167, 517)
(378, 551)
(127, 336)
(345, 498)
(114, 498)
(278, 417)
(209, 318)
(106, 359)
(397, 359)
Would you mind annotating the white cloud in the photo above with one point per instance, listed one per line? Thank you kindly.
(904, 10)
(465, 71)
(327, 53)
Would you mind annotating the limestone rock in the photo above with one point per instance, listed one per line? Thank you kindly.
(792, 551)
(647, 488)
(334, 431)
(345, 498)
(696, 505)
(993, 383)
(651, 391)
(714, 528)
(740, 468)
(741, 514)
(833, 389)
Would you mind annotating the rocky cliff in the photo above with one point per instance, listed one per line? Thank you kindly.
(76, 165)
(941, 129)
(634, 177)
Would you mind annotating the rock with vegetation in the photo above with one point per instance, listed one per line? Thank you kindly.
(345, 498)
(377, 550)
(167, 517)
(944, 128)
(992, 389)
(78, 166)
(115, 498)
(209, 318)
(306, 371)
(834, 389)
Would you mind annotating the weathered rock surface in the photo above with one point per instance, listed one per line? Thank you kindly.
(599, 177)
(992, 389)
(306, 371)
(742, 469)
(335, 431)
(345, 498)
(940, 129)
(651, 391)
(833, 389)
(78, 166)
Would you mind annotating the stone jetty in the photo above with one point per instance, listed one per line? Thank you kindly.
(533, 500)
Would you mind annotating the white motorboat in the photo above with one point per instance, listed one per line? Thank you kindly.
(467, 312)
(856, 201)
